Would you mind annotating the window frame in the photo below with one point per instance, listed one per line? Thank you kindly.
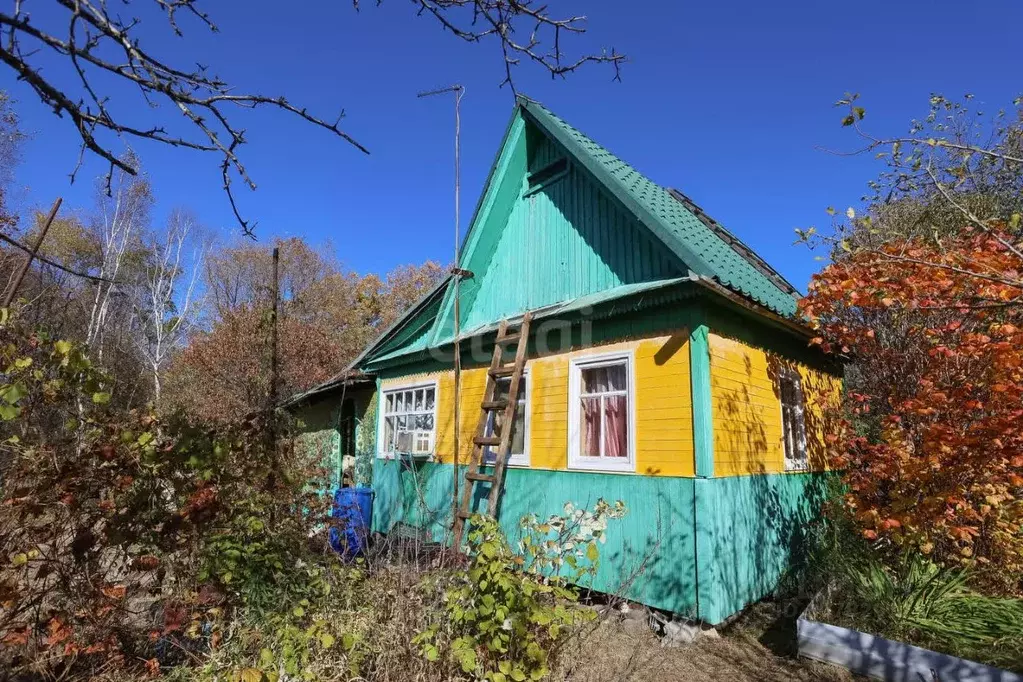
(793, 464)
(523, 459)
(576, 461)
(382, 416)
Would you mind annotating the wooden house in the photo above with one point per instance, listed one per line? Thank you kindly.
(665, 368)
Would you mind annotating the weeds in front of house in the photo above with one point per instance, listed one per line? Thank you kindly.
(483, 616)
(134, 547)
(508, 615)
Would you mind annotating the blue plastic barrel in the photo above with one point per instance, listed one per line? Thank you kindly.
(353, 514)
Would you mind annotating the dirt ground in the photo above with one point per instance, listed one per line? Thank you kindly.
(759, 646)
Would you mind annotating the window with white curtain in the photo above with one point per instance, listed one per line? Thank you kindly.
(601, 425)
(793, 419)
(408, 420)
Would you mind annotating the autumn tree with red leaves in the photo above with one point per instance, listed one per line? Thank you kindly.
(924, 298)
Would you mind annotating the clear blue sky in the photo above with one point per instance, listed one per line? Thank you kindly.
(729, 101)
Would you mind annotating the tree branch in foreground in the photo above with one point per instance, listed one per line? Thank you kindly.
(99, 44)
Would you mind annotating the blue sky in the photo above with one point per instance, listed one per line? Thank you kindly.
(729, 101)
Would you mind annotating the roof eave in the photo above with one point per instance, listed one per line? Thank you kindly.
(400, 322)
(789, 324)
(345, 378)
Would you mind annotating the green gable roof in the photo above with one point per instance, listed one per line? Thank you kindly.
(705, 247)
(694, 246)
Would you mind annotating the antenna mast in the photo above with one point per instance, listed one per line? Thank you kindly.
(458, 273)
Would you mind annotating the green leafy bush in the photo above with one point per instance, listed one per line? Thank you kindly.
(508, 615)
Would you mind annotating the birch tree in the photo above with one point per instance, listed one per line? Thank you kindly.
(166, 293)
(122, 218)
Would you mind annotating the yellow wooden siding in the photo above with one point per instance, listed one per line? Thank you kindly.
(746, 406)
(548, 404)
(664, 413)
(664, 408)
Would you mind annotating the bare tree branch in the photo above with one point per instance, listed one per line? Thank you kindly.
(43, 259)
(99, 44)
(94, 37)
(476, 20)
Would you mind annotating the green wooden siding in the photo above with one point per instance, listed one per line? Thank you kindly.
(567, 240)
(707, 547)
(750, 531)
(654, 540)
(679, 229)
(530, 249)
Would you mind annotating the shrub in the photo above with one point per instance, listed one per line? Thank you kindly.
(126, 542)
(508, 615)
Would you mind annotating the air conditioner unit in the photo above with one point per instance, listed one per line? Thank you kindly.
(403, 441)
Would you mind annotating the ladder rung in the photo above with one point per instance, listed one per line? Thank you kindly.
(498, 404)
(510, 338)
(487, 440)
(463, 514)
(476, 476)
(502, 372)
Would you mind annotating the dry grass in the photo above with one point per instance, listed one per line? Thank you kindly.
(609, 653)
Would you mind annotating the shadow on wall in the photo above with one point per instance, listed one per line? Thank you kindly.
(756, 522)
(649, 555)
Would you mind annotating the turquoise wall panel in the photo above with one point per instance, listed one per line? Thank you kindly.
(750, 530)
(565, 240)
(648, 556)
(562, 242)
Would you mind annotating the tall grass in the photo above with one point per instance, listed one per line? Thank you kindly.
(906, 597)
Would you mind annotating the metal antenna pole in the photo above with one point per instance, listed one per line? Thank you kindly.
(458, 90)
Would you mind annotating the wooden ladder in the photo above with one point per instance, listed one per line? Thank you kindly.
(492, 404)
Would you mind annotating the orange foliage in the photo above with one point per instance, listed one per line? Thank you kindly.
(932, 445)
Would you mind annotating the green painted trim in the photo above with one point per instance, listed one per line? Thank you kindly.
(707, 585)
(400, 323)
(485, 205)
(703, 418)
(512, 132)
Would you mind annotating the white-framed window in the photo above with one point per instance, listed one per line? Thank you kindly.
(408, 420)
(601, 413)
(793, 419)
(518, 449)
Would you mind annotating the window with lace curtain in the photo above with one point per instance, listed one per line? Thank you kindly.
(518, 452)
(601, 425)
(408, 420)
(793, 420)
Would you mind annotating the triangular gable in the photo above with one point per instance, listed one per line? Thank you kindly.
(700, 247)
(544, 232)
(596, 225)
